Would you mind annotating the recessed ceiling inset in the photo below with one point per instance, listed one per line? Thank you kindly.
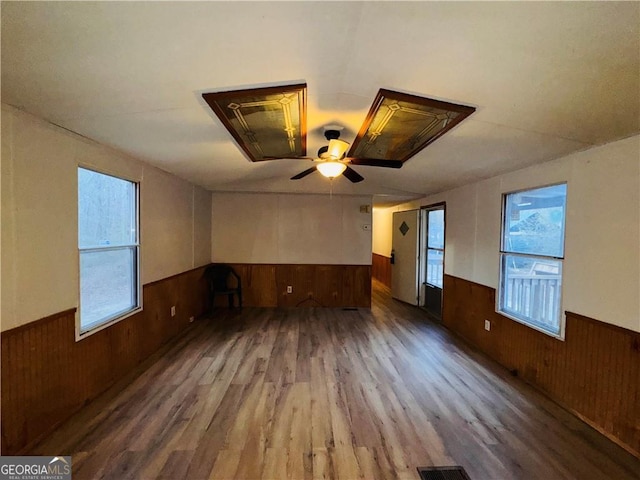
(266, 122)
(270, 124)
(399, 125)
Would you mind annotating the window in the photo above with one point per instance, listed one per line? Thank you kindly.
(108, 249)
(531, 257)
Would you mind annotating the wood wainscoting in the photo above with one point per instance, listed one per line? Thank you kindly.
(47, 376)
(594, 372)
(381, 269)
(265, 285)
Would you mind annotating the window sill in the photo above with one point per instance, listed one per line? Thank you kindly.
(557, 336)
(82, 335)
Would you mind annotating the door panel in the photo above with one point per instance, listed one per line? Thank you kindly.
(433, 300)
(404, 271)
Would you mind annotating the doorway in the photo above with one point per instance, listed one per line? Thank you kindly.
(432, 222)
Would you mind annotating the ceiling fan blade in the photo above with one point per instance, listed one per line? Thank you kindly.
(288, 158)
(375, 162)
(305, 173)
(352, 175)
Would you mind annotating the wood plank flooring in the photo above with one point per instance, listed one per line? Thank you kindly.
(324, 393)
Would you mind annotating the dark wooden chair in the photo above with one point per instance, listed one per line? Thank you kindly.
(223, 280)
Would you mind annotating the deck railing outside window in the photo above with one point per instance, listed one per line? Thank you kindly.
(536, 298)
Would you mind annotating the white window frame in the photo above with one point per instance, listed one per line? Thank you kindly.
(107, 322)
(505, 252)
(428, 211)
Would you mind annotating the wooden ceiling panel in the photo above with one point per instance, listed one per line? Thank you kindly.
(399, 125)
(266, 122)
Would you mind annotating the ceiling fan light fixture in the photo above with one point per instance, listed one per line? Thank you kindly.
(331, 169)
(337, 148)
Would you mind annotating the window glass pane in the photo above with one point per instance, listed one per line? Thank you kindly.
(106, 210)
(107, 284)
(434, 267)
(436, 229)
(534, 221)
(531, 289)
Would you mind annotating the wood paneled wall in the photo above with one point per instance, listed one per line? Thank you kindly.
(47, 375)
(381, 269)
(313, 285)
(594, 372)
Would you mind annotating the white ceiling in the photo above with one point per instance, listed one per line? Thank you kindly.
(547, 79)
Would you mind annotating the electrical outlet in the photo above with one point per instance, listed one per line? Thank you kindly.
(487, 325)
(190, 319)
(173, 311)
(289, 289)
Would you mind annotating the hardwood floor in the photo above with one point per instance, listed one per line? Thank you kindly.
(324, 393)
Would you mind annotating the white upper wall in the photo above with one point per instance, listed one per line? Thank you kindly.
(290, 229)
(201, 227)
(39, 217)
(602, 245)
(382, 230)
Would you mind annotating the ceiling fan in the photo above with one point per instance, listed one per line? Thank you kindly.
(332, 161)
(270, 124)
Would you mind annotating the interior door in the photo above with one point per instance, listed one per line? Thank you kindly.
(432, 269)
(404, 270)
